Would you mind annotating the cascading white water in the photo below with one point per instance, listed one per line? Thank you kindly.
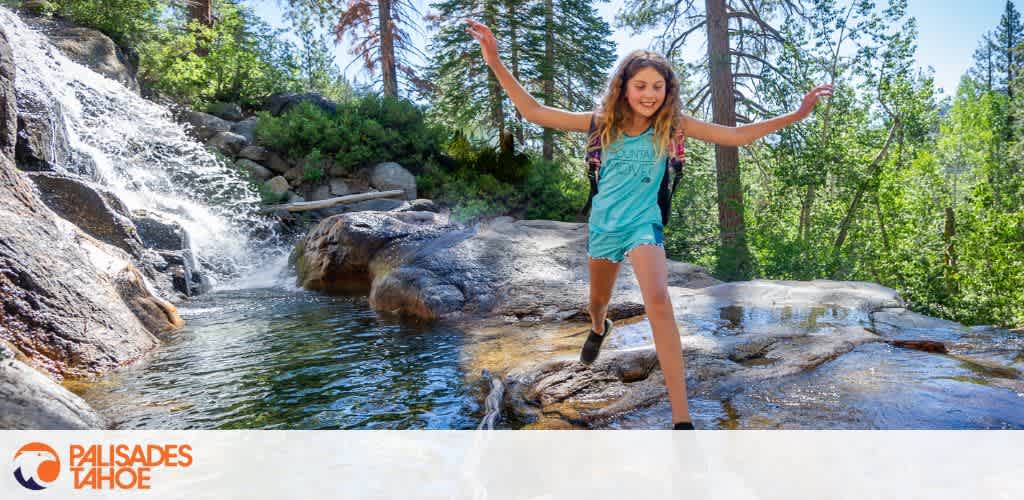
(144, 156)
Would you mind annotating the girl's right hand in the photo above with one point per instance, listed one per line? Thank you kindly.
(488, 44)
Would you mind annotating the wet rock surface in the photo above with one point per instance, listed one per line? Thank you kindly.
(90, 48)
(420, 264)
(30, 400)
(73, 306)
(765, 355)
(42, 142)
(92, 208)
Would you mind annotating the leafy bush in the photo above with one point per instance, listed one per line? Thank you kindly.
(555, 192)
(471, 195)
(364, 130)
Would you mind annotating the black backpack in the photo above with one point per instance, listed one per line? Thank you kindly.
(673, 165)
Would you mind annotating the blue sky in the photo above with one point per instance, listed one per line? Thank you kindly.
(948, 33)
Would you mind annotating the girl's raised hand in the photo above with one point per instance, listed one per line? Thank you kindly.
(488, 44)
(812, 98)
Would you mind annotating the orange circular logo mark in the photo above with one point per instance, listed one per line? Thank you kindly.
(36, 466)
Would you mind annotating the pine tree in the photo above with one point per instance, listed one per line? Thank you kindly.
(559, 50)
(379, 33)
(1008, 37)
(463, 90)
(984, 69)
(575, 58)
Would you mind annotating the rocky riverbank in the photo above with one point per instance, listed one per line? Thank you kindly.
(75, 303)
(518, 289)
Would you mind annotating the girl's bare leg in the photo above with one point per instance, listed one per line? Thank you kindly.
(602, 280)
(652, 275)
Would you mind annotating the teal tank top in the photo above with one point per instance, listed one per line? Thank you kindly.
(628, 183)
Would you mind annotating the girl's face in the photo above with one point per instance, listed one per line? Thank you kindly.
(645, 92)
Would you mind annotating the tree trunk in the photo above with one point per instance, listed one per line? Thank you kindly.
(885, 241)
(547, 75)
(513, 32)
(734, 261)
(201, 11)
(387, 48)
(844, 226)
(947, 237)
(805, 213)
(496, 92)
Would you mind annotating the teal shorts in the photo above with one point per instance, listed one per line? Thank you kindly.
(615, 245)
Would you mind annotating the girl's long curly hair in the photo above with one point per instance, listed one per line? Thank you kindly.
(612, 114)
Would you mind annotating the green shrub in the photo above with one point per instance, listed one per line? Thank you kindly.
(364, 130)
(312, 166)
(555, 192)
(311, 173)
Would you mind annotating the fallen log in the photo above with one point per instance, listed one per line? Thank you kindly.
(301, 206)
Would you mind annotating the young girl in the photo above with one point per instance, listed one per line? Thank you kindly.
(635, 119)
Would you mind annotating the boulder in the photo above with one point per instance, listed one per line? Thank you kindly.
(95, 210)
(31, 400)
(8, 101)
(420, 264)
(294, 174)
(257, 171)
(90, 48)
(254, 153)
(338, 187)
(42, 143)
(228, 143)
(205, 126)
(281, 103)
(321, 192)
(277, 164)
(424, 205)
(278, 185)
(73, 304)
(246, 128)
(226, 110)
(159, 232)
(390, 175)
(174, 260)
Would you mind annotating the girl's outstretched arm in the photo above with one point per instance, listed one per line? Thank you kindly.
(746, 134)
(531, 110)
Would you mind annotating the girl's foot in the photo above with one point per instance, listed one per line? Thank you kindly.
(592, 347)
(683, 426)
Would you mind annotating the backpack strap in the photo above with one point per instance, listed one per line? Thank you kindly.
(673, 166)
(676, 161)
(593, 160)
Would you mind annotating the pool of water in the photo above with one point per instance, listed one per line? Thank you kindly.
(283, 358)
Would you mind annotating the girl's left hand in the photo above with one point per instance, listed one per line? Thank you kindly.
(812, 98)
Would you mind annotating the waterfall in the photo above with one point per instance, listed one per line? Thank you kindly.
(139, 152)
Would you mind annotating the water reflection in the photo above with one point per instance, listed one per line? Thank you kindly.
(287, 359)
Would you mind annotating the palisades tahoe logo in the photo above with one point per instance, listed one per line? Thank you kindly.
(37, 466)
